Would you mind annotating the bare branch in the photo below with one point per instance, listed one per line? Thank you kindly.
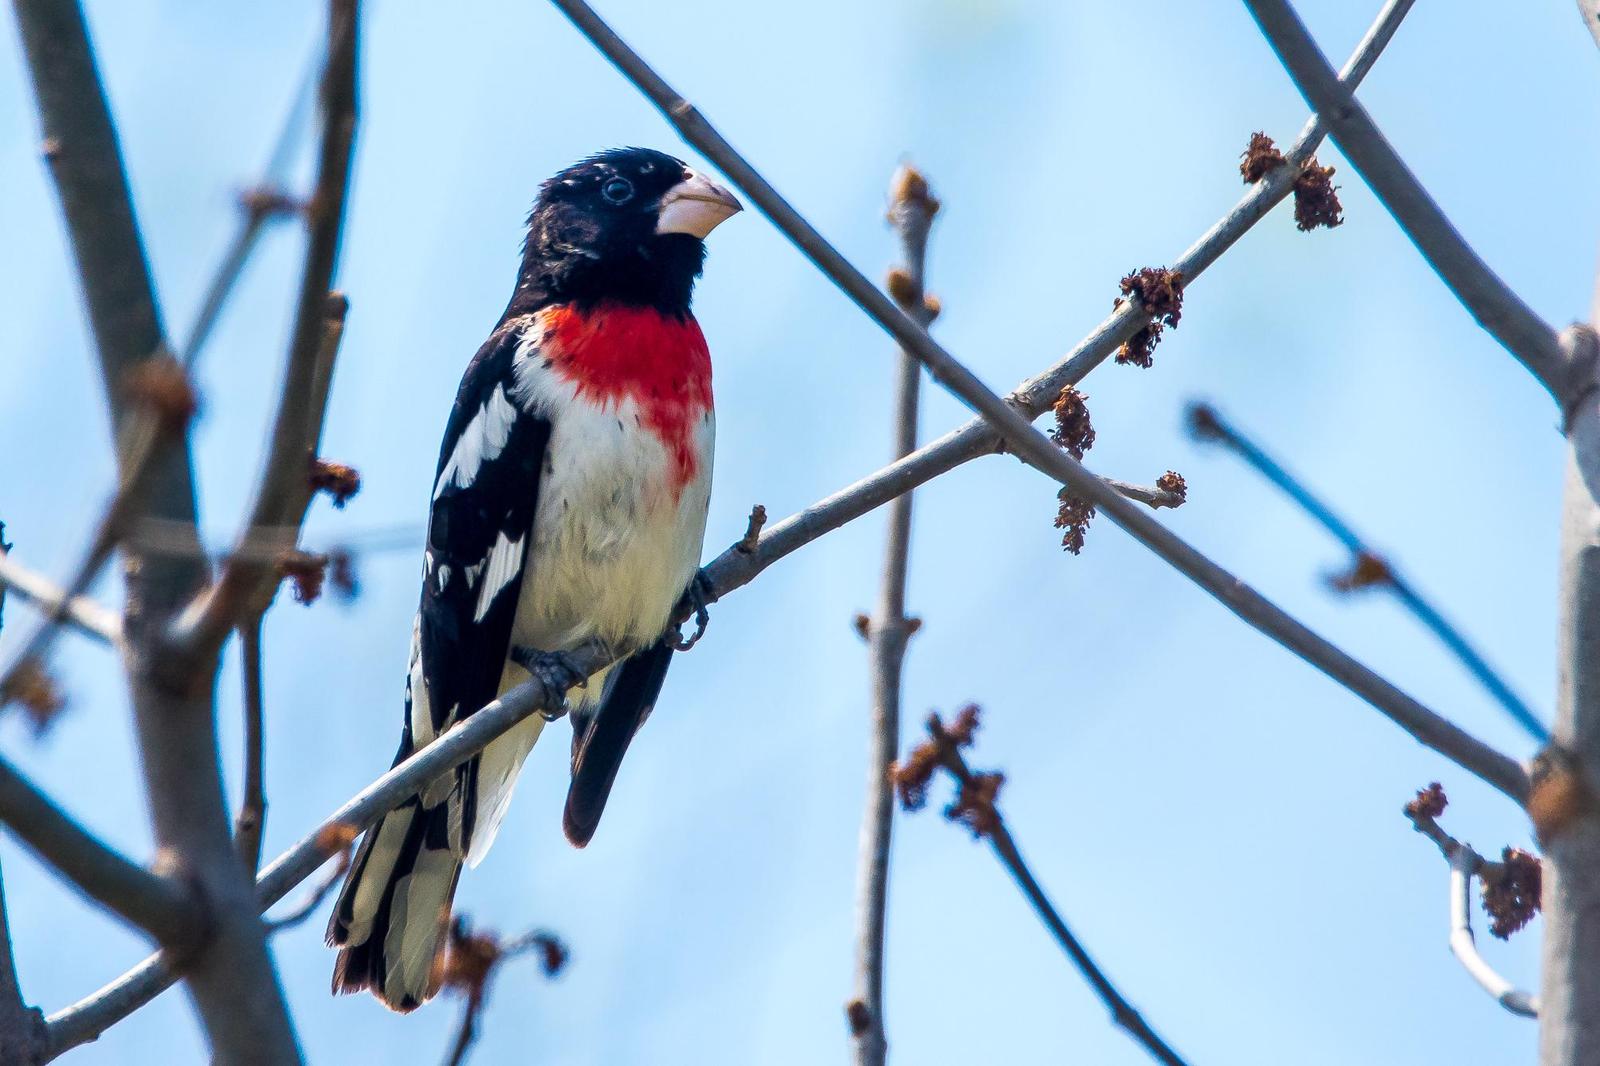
(146, 437)
(1569, 991)
(975, 805)
(230, 977)
(470, 962)
(160, 904)
(337, 839)
(248, 582)
(92, 619)
(1491, 302)
(250, 578)
(251, 823)
(24, 1040)
(87, 1019)
(1463, 865)
(262, 204)
(1023, 440)
(911, 210)
(1152, 496)
(1208, 425)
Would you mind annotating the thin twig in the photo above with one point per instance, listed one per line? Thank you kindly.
(248, 581)
(911, 211)
(1023, 440)
(1152, 496)
(469, 964)
(263, 203)
(1490, 300)
(162, 905)
(93, 620)
(1208, 425)
(251, 823)
(992, 825)
(1463, 865)
(147, 435)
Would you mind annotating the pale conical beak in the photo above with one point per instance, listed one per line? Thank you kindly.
(696, 206)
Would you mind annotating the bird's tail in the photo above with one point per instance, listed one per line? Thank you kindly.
(395, 906)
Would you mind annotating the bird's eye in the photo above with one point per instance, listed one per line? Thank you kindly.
(617, 190)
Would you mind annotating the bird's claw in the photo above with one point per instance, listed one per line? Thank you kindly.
(556, 672)
(700, 594)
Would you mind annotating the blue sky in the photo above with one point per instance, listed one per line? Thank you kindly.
(1218, 821)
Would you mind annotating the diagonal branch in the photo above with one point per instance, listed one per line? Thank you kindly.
(1491, 302)
(1027, 443)
(911, 210)
(975, 805)
(161, 905)
(259, 206)
(1208, 425)
(92, 619)
(147, 436)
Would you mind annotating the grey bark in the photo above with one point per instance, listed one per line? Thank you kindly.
(1569, 992)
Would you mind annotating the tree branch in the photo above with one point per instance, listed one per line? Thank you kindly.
(1210, 426)
(1033, 447)
(1491, 302)
(230, 976)
(251, 823)
(23, 1037)
(249, 580)
(911, 211)
(146, 438)
(1463, 865)
(264, 202)
(975, 804)
(1569, 981)
(160, 904)
(92, 619)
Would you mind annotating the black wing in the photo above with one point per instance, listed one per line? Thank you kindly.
(486, 490)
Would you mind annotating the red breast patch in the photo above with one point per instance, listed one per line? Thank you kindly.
(616, 352)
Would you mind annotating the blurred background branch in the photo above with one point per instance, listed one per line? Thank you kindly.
(1368, 567)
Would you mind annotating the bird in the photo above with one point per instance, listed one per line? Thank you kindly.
(568, 505)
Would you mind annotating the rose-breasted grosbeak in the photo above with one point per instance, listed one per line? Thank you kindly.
(569, 504)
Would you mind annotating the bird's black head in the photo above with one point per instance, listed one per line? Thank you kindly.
(624, 226)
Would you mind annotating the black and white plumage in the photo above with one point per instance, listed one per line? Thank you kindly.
(569, 503)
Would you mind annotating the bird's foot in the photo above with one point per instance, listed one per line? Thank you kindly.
(555, 670)
(700, 594)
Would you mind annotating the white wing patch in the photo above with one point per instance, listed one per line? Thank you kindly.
(483, 439)
(504, 566)
(417, 691)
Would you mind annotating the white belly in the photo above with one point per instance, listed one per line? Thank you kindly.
(615, 542)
